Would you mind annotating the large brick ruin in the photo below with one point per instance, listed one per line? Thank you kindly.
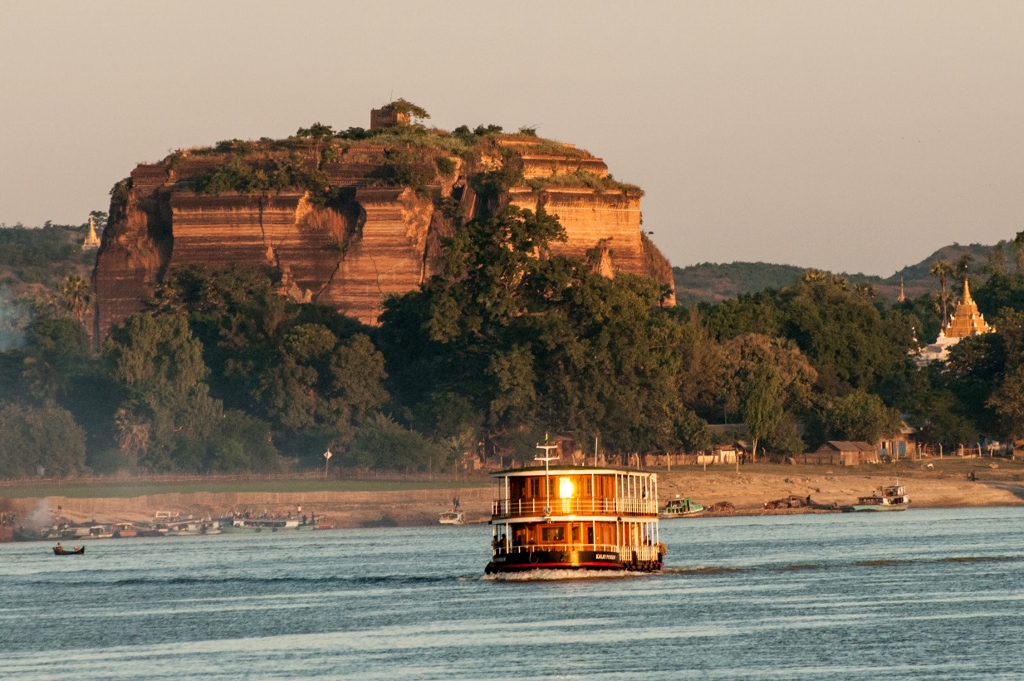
(377, 240)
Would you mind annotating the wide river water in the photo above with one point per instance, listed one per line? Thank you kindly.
(923, 594)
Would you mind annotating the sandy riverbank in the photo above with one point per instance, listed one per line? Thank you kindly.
(946, 486)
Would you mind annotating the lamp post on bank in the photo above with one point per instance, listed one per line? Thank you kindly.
(327, 462)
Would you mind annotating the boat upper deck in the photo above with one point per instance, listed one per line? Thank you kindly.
(574, 490)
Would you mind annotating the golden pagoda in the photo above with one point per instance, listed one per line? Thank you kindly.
(967, 320)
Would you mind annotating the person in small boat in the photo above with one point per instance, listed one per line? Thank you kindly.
(59, 547)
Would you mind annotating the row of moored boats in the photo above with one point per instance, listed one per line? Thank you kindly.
(166, 525)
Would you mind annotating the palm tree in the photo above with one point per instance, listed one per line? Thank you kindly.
(76, 296)
(941, 269)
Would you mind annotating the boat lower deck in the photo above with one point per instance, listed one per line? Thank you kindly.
(642, 559)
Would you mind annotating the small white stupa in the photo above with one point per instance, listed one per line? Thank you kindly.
(91, 241)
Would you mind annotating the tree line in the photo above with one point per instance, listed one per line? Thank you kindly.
(507, 341)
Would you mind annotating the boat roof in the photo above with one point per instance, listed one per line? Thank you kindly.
(576, 470)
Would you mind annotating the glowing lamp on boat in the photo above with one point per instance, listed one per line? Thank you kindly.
(565, 488)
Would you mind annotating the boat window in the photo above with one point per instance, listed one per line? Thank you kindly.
(555, 534)
(534, 487)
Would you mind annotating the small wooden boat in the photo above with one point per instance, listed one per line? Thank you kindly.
(891, 498)
(681, 508)
(59, 550)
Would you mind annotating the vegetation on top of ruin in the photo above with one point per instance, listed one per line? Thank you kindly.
(401, 106)
(584, 179)
(295, 162)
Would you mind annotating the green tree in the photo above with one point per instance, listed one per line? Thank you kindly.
(786, 439)
(692, 431)
(241, 443)
(99, 218)
(941, 270)
(315, 381)
(159, 363)
(382, 443)
(843, 335)
(44, 438)
(996, 261)
(56, 351)
(536, 341)
(76, 296)
(861, 416)
(402, 106)
(1008, 402)
(761, 404)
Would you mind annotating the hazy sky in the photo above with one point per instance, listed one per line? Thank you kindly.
(854, 136)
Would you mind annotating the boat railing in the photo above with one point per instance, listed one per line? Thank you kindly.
(534, 507)
(643, 553)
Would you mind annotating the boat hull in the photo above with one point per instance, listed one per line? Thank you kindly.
(567, 560)
(688, 514)
(879, 507)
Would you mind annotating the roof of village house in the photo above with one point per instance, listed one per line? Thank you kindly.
(846, 446)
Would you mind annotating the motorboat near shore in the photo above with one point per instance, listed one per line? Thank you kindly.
(890, 498)
(574, 517)
(681, 508)
(262, 524)
(452, 518)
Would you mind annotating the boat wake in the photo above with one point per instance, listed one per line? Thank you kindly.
(701, 570)
(560, 575)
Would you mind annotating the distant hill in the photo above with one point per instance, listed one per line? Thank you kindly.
(979, 256)
(712, 282)
(715, 282)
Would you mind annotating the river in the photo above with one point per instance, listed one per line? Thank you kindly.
(923, 594)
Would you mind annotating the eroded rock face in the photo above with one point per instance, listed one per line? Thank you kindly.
(362, 225)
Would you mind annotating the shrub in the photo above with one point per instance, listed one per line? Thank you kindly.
(384, 444)
(446, 166)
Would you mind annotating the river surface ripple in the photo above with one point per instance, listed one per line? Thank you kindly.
(923, 594)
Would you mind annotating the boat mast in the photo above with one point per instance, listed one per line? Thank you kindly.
(546, 458)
